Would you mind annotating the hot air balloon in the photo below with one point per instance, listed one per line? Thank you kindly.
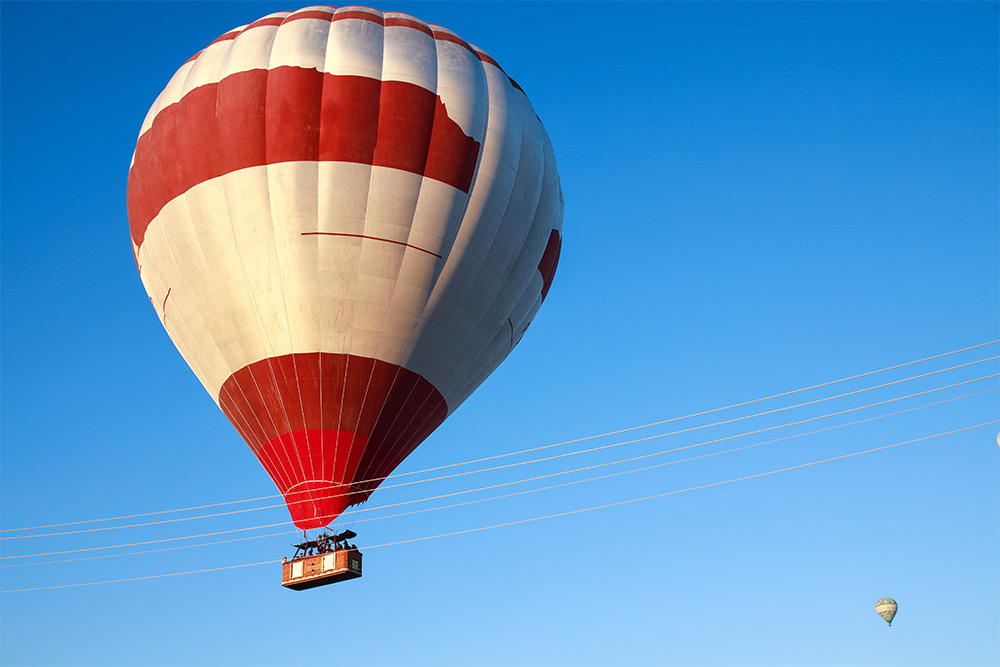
(886, 608)
(345, 220)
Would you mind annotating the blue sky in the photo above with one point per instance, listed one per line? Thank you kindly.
(760, 197)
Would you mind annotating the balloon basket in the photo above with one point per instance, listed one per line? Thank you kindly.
(321, 569)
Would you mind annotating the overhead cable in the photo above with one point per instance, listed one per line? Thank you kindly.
(523, 451)
(672, 493)
(517, 493)
(564, 454)
(524, 521)
(567, 454)
(503, 484)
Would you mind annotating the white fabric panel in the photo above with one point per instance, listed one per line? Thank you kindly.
(300, 43)
(354, 48)
(294, 189)
(462, 87)
(463, 283)
(263, 289)
(498, 165)
(207, 68)
(437, 217)
(392, 201)
(518, 215)
(409, 55)
(246, 264)
(521, 296)
(249, 51)
(171, 94)
(341, 208)
(176, 285)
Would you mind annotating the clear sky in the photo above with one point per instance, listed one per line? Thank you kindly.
(760, 197)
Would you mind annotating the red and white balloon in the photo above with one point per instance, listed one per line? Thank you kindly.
(345, 219)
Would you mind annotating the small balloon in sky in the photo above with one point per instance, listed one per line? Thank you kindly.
(886, 608)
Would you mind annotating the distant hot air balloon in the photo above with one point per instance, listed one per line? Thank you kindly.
(886, 608)
(345, 220)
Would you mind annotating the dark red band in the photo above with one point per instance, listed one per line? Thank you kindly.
(346, 421)
(550, 260)
(372, 238)
(287, 114)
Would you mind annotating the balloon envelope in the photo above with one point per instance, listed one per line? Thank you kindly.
(886, 608)
(345, 220)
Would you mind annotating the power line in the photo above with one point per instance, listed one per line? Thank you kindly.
(529, 450)
(153, 551)
(517, 493)
(661, 453)
(149, 576)
(537, 478)
(672, 493)
(720, 409)
(564, 454)
(719, 423)
(528, 520)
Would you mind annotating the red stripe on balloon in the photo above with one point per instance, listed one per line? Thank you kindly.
(325, 493)
(550, 260)
(321, 424)
(311, 14)
(372, 238)
(259, 23)
(286, 114)
(455, 39)
(418, 416)
(403, 22)
(356, 14)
